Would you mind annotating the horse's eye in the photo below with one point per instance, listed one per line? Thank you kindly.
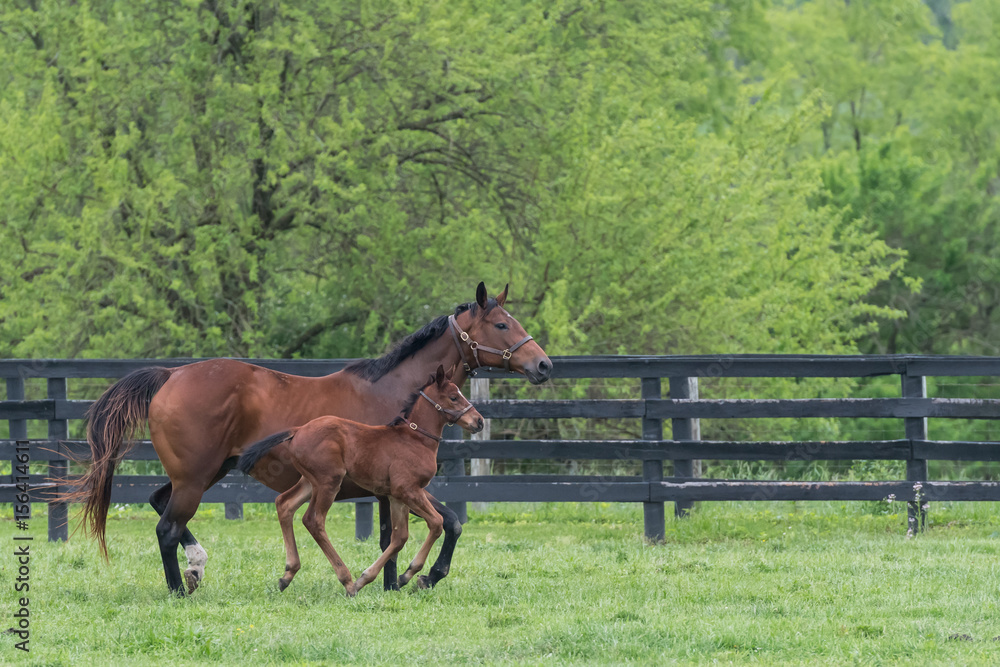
(455, 398)
(502, 326)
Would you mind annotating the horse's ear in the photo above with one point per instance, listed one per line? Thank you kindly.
(502, 296)
(481, 297)
(439, 377)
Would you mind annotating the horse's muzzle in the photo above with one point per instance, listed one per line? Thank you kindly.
(538, 371)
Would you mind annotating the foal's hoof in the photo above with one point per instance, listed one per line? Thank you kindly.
(424, 582)
(282, 584)
(191, 579)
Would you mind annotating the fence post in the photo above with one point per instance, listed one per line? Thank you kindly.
(455, 468)
(479, 390)
(18, 427)
(58, 469)
(653, 516)
(684, 429)
(364, 514)
(915, 386)
(234, 511)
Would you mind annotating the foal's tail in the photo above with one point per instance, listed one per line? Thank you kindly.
(113, 422)
(252, 455)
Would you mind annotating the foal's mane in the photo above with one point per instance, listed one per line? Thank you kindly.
(374, 370)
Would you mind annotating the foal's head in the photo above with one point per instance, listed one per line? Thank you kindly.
(447, 398)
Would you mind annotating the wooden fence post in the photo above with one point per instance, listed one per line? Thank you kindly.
(58, 469)
(684, 429)
(915, 386)
(479, 390)
(653, 517)
(364, 515)
(18, 427)
(455, 468)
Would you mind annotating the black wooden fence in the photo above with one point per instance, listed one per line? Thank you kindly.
(674, 403)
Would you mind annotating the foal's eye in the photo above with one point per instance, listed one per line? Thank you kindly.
(455, 398)
(502, 326)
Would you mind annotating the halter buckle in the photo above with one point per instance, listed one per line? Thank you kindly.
(507, 355)
(464, 336)
(413, 426)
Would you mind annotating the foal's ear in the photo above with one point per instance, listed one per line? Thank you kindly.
(502, 296)
(481, 297)
(450, 373)
(439, 376)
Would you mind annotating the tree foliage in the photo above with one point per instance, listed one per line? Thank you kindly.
(319, 178)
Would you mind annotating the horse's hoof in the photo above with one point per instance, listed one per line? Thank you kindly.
(424, 582)
(191, 579)
(282, 584)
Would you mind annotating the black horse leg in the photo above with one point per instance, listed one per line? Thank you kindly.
(158, 499)
(195, 553)
(180, 508)
(452, 531)
(389, 581)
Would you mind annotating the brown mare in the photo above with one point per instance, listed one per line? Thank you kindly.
(202, 416)
(397, 460)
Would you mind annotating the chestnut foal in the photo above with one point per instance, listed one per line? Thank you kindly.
(397, 460)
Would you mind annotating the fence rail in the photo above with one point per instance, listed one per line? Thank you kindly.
(681, 410)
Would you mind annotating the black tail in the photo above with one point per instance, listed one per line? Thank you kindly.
(258, 450)
(113, 422)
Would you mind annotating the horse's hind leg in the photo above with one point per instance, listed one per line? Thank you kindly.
(452, 531)
(287, 503)
(315, 521)
(196, 554)
(420, 505)
(183, 503)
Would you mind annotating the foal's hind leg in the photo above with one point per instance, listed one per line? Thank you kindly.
(420, 505)
(315, 521)
(286, 504)
(452, 531)
(400, 514)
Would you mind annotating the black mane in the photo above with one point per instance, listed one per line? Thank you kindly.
(408, 406)
(375, 369)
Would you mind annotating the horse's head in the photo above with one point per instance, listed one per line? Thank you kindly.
(489, 336)
(448, 399)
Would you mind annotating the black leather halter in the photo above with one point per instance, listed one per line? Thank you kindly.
(454, 414)
(463, 337)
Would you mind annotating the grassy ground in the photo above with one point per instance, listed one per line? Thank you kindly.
(761, 584)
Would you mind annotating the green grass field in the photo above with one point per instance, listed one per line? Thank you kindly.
(733, 584)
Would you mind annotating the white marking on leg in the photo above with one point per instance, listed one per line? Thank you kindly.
(197, 557)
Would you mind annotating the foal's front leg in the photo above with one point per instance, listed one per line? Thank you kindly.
(421, 505)
(400, 514)
(287, 503)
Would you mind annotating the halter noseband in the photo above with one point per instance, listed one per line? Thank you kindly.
(454, 414)
(461, 336)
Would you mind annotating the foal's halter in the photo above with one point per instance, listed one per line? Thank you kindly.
(463, 337)
(454, 414)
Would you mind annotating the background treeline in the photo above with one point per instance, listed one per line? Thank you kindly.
(320, 178)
